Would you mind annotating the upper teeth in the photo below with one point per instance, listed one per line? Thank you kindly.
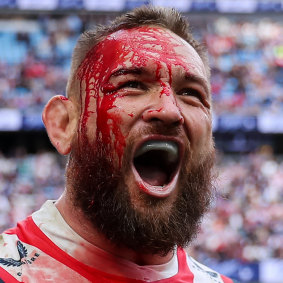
(168, 146)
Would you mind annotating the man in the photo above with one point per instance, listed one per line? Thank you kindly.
(137, 128)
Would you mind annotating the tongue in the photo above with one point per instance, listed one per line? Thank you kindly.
(153, 175)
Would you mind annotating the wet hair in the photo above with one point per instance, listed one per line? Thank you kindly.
(168, 18)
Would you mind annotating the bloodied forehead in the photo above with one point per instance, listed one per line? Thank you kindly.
(139, 46)
(144, 48)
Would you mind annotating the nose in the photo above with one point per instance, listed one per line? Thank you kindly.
(164, 109)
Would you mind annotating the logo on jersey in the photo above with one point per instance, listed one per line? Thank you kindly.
(22, 250)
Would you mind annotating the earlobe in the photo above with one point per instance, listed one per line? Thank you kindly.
(59, 118)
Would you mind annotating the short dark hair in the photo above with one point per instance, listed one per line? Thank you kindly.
(168, 18)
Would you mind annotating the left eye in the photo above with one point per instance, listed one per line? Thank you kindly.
(190, 92)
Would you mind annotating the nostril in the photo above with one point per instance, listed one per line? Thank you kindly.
(154, 120)
(178, 122)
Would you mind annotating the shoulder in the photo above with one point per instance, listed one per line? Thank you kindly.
(27, 255)
(203, 273)
(15, 253)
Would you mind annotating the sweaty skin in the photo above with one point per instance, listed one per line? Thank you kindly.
(139, 74)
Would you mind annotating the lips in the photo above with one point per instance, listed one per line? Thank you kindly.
(156, 166)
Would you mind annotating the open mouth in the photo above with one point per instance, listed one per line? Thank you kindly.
(156, 162)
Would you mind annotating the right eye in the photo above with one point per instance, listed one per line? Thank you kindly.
(132, 84)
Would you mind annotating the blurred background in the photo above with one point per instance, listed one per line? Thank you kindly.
(242, 236)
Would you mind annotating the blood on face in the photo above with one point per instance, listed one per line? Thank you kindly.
(136, 48)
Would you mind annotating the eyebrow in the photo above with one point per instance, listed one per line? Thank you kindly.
(126, 71)
(199, 80)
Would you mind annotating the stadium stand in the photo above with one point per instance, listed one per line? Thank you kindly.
(246, 60)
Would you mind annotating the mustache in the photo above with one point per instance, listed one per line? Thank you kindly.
(159, 128)
(154, 128)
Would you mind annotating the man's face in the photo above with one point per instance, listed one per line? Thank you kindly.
(146, 123)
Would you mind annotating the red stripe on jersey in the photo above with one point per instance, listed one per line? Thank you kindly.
(29, 233)
(226, 279)
(184, 273)
(7, 277)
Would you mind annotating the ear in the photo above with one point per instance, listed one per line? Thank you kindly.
(59, 117)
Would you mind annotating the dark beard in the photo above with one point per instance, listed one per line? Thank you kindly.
(100, 192)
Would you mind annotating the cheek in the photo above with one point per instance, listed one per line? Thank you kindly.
(115, 118)
(88, 122)
(199, 127)
(123, 116)
(102, 125)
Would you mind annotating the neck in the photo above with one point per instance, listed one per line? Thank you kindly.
(75, 218)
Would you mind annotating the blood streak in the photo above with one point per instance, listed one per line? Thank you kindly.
(63, 97)
(91, 75)
(165, 89)
(137, 47)
(157, 110)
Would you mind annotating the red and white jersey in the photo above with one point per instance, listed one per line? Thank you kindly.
(43, 248)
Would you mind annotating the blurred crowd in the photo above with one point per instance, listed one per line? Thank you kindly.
(245, 55)
(246, 218)
(34, 60)
(26, 181)
(247, 66)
